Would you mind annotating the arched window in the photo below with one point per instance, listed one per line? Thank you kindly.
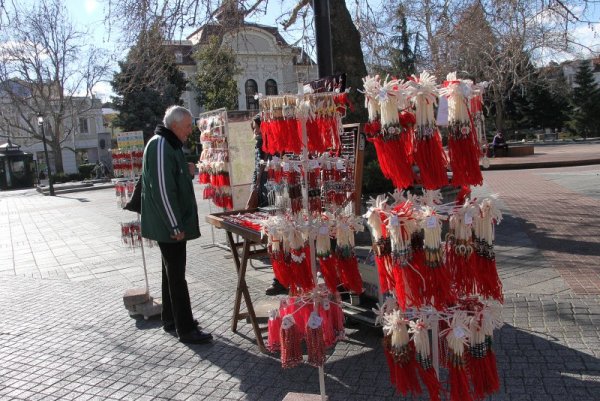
(251, 89)
(270, 87)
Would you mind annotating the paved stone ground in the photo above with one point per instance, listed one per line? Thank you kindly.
(64, 333)
(560, 218)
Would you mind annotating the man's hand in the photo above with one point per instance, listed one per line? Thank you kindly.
(192, 168)
(179, 236)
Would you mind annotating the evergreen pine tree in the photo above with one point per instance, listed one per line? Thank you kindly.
(585, 116)
(215, 81)
(147, 84)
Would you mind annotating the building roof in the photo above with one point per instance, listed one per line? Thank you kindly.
(184, 47)
(215, 28)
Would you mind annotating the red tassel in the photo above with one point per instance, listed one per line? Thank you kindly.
(291, 351)
(464, 156)
(389, 358)
(430, 157)
(273, 332)
(329, 336)
(315, 346)
(406, 371)
(349, 273)
(489, 284)
(461, 270)
(383, 261)
(328, 269)
(301, 270)
(429, 378)
(477, 371)
(415, 283)
(279, 268)
(395, 159)
(459, 384)
(493, 381)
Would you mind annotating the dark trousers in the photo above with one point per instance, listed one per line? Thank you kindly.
(176, 305)
(500, 146)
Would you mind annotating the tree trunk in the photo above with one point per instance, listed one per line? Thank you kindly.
(54, 145)
(499, 114)
(348, 56)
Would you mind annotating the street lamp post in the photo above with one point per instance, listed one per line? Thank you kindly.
(41, 124)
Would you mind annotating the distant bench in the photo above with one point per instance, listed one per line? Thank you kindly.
(514, 150)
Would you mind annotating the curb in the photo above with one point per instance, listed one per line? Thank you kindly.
(532, 165)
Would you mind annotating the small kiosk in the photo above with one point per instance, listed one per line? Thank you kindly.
(17, 168)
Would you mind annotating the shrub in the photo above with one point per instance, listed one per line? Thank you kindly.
(86, 170)
(373, 180)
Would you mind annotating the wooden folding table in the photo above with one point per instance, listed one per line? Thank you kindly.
(249, 237)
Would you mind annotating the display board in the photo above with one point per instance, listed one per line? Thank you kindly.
(132, 140)
(242, 156)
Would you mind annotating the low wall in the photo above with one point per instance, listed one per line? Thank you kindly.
(514, 150)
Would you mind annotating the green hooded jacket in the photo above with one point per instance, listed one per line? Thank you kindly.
(168, 199)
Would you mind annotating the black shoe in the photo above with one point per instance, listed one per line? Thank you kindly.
(195, 337)
(276, 289)
(169, 326)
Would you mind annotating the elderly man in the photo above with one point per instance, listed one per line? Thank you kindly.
(170, 216)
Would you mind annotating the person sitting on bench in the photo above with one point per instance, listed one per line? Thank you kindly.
(499, 143)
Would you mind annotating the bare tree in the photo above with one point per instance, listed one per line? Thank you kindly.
(494, 40)
(47, 68)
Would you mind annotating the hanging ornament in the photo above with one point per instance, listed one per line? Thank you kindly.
(437, 290)
(400, 353)
(393, 140)
(456, 340)
(463, 146)
(315, 345)
(274, 331)
(428, 152)
(347, 264)
(460, 249)
(419, 329)
(488, 282)
(327, 262)
(291, 351)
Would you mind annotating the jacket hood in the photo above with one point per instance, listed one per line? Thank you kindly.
(169, 136)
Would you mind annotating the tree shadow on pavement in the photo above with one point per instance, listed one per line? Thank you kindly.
(517, 232)
(535, 366)
(532, 366)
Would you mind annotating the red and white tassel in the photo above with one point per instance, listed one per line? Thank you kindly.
(291, 339)
(315, 345)
(274, 331)
(438, 289)
(404, 364)
(489, 285)
(428, 152)
(463, 145)
(456, 340)
(419, 330)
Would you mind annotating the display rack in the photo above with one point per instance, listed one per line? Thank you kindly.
(309, 162)
(214, 164)
(127, 163)
(449, 289)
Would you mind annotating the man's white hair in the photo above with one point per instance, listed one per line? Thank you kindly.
(175, 114)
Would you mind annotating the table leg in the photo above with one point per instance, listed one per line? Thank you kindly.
(242, 289)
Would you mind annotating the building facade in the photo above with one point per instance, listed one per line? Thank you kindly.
(83, 137)
(268, 64)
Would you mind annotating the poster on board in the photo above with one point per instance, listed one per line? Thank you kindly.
(241, 157)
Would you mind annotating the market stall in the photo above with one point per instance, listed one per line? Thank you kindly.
(308, 225)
